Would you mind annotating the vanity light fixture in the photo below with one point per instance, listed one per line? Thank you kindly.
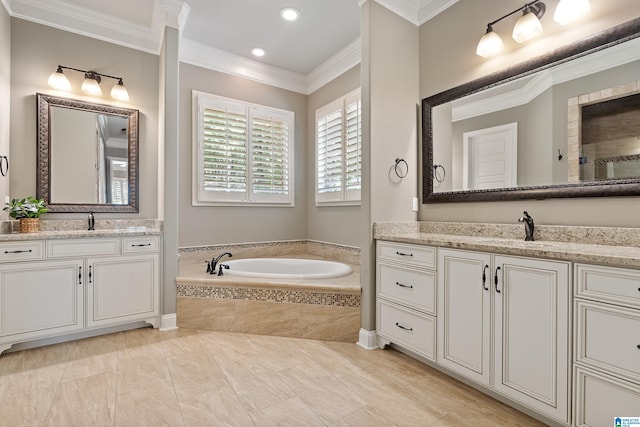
(90, 85)
(528, 25)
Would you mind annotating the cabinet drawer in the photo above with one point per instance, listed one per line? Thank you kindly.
(21, 251)
(406, 286)
(408, 328)
(82, 247)
(599, 399)
(140, 244)
(610, 284)
(608, 338)
(424, 256)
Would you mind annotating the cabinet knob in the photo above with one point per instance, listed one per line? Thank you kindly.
(638, 346)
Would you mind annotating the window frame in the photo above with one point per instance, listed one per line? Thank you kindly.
(250, 197)
(346, 196)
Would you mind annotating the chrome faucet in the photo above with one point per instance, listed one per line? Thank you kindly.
(528, 226)
(211, 266)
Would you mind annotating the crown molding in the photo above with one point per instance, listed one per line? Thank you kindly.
(416, 11)
(347, 58)
(428, 9)
(201, 55)
(602, 60)
(62, 15)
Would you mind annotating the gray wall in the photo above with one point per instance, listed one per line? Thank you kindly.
(389, 103)
(448, 59)
(5, 91)
(336, 224)
(204, 225)
(36, 50)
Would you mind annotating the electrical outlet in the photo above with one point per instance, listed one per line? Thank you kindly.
(7, 199)
(416, 202)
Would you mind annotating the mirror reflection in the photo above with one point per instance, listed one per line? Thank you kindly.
(560, 125)
(87, 156)
(94, 146)
(543, 129)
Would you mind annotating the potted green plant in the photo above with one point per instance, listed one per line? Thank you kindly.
(28, 211)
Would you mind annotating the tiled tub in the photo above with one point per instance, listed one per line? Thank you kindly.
(325, 309)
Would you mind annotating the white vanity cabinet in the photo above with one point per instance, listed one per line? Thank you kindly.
(504, 322)
(61, 286)
(606, 344)
(406, 296)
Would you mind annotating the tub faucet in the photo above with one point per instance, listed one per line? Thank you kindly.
(211, 266)
(528, 226)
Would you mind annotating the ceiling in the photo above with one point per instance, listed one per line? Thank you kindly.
(219, 34)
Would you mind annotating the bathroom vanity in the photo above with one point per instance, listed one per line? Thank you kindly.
(57, 283)
(548, 326)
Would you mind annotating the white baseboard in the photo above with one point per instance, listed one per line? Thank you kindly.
(367, 339)
(169, 322)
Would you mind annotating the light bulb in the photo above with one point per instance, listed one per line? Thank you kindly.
(571, 10)
(527, 27)
(58, 80)
(119, 92)
(490, 44)
(91, 85)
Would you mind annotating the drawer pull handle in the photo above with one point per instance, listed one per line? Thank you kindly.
(80, 275)
(403, 254)
(404, 327)
(484, 278)
(90, 274)
(402, 285)
(496, 279)
(140, 245)
(19, 251)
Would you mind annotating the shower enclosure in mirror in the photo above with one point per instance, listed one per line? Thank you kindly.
(562, 125)
(87, 156)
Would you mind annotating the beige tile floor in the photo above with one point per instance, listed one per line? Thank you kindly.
(201, 378)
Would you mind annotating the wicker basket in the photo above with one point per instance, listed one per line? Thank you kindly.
(29, 225)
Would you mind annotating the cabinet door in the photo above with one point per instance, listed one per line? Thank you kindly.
(531, 333)
(122, 289)
(38, 299)
(464, 313)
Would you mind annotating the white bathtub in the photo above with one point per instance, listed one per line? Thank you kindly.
(287, 268)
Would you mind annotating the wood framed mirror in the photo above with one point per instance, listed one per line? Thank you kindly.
(87, 156)
(448, 175)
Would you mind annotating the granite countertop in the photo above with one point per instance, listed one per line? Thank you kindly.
(76, 229)
(612, 255)
(80, 234)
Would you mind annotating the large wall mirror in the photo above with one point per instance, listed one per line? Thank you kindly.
(563, 125)
(87, 156)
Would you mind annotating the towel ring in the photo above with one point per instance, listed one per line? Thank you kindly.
(437, 175)
(398, 169)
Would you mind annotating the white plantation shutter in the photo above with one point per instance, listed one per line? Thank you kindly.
(339, 151)
(270, 155)
(353, 146)
(243, 152)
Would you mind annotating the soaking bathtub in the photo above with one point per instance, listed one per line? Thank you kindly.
(287, 268)
(301, 289)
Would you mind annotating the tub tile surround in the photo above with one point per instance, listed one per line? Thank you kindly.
(326, 309)
(64, 229)
(615, 246)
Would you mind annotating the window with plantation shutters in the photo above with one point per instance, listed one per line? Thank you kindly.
(339, 151)
(242, 153)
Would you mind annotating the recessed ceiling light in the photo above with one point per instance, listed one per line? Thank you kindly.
(256, 51)
(289, 14)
